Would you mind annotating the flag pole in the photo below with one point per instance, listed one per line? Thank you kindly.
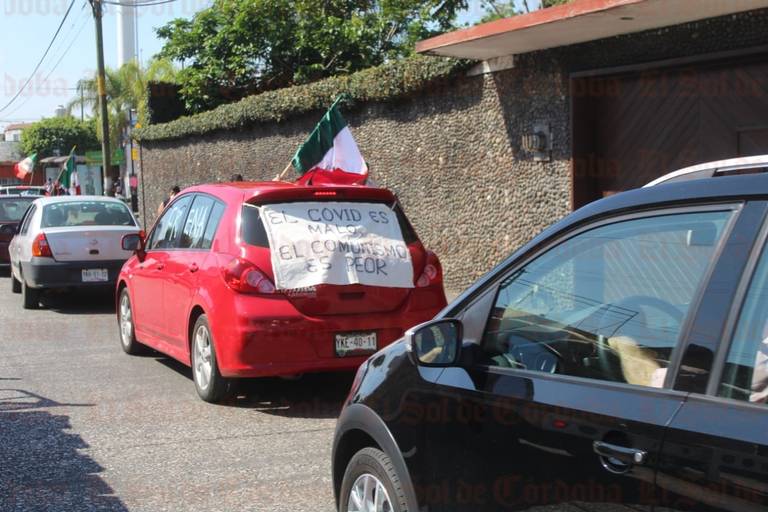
(283, 172)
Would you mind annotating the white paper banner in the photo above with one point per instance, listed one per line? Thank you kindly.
(336, 243)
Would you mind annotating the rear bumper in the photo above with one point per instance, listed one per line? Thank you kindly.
(49, 273)
(259, 337)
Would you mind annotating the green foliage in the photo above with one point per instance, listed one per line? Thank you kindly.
(381, 83)
(58, 133)
(504, 9)
(237, 48)
(126, 90)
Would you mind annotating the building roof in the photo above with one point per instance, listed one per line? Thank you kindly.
(17, 126)
(10, 152)
(576, 22)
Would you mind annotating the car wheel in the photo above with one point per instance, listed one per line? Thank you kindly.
(125, 322)
(30, 297)
(15, 284)
(371, 484)
(210, 385)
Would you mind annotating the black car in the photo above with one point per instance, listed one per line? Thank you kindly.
(617, 362)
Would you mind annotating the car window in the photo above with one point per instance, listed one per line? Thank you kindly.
(745, 374)
(212, 225)
(28, 219)
(608, 303)
(194, 226)
(168, 228)
(86, 213)
(12, 210)
(253, 232)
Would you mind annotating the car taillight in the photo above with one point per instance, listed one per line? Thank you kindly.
(40, 247)
(432, 273)
(245, 277)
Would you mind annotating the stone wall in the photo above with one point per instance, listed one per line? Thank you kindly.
(452, 153)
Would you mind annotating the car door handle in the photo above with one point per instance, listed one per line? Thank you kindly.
(629, 456)
(193, 268)
(160, 266)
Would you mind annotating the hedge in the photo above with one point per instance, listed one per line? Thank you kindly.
(382, 83)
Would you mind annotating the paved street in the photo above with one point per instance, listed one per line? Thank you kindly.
(85, 427)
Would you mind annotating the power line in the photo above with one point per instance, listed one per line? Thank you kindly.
(21, 89)
(21, 105)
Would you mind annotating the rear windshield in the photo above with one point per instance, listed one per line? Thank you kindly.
(12, 209)
(86, 213)
(253, 232)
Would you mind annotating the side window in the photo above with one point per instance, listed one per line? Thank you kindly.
(745, 374)
(168, 228)
(606, 304)
(27, 219)
(213, 224)
(194, 226)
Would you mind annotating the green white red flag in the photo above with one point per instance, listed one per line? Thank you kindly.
(68, 177)
(330, 154)
(25, 167)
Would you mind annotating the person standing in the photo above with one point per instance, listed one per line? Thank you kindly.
(171, 194)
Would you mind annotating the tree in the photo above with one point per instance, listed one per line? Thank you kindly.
(58, 134)
(126, 90)
(500, 9)
(240, 47)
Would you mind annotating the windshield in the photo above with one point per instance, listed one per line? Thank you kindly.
(86, 213)
(12, 209)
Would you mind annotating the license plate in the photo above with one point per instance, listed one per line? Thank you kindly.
(95, 275)
(356, 343)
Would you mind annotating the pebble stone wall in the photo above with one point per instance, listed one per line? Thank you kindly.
(453, 153)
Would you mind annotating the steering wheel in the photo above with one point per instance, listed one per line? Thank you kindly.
(631, 303)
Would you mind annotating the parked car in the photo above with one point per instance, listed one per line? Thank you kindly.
(69, 242)
(12, 208)
(618, 361)
(202, 289)
(22, 190)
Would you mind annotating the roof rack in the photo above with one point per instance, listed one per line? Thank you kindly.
(755, 164)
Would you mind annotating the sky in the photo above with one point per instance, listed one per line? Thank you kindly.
(26, 28)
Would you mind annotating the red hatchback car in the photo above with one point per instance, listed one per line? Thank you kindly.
(201, 288)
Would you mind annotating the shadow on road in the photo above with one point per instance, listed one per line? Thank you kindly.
(42, 467)
(319, 395)
(80, 302)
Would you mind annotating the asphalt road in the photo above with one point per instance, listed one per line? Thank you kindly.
(85, 427)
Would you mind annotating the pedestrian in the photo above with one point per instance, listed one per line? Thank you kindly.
(171, 194)
(236, 177)
(48, 187)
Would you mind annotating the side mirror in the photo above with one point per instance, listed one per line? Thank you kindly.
(131, 242)
(436, 343)
(134, 242)
(8, 229)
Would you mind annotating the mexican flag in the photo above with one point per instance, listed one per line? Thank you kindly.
(330, 154)
(68, 176)
(23, 168)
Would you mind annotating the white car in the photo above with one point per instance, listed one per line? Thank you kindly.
(69, 241)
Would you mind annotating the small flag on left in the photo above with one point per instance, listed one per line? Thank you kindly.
(25, 167)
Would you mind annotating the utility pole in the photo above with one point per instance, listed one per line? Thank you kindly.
(96, 5)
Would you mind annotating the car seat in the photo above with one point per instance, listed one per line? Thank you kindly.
(54, 217)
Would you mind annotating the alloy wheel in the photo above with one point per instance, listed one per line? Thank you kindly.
(203, 362)
(368, 494)
(126, 320)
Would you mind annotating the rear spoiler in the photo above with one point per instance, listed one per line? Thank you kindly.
(325, 193)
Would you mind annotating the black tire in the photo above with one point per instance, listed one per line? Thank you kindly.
(373, 462)
(128, 340)
(15, 284)
(30, 297)
(217, 387)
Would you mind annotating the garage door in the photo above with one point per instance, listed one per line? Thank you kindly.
(630, 129)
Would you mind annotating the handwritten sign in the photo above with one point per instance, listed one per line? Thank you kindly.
(313, 243)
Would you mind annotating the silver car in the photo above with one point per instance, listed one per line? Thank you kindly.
(69, 241)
